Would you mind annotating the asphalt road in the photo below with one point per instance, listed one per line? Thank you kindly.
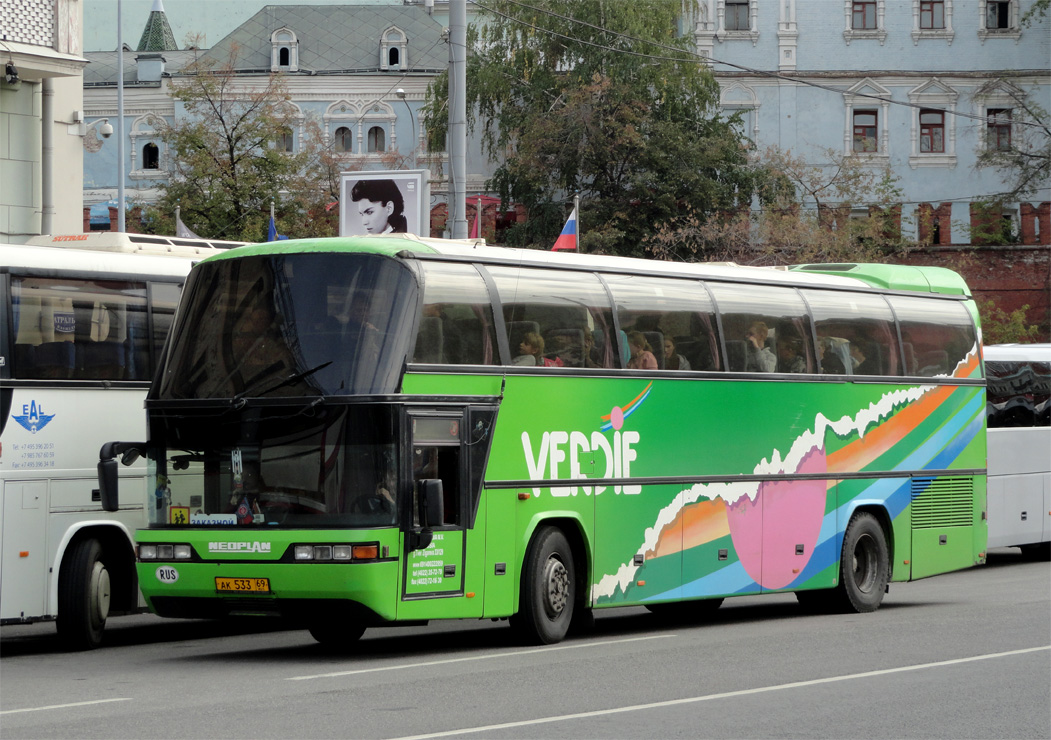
(964, 655)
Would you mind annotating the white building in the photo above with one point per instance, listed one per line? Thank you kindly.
(41, 119)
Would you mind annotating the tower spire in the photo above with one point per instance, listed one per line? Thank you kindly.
(157, 36)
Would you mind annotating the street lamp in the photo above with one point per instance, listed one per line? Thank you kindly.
(401, 94)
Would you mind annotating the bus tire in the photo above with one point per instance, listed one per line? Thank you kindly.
(83, 596)
(864, 566)
(546, 607)
(337, 634)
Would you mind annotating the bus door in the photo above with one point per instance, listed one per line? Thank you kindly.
(436, 451)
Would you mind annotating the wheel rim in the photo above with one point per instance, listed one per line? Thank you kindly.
(99, 593)
(865, 563)
(556, 593)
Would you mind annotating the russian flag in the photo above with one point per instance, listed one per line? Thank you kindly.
(567, 240)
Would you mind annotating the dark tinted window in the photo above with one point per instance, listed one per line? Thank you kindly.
(292, 325)
(70, 329)
(1019, 394)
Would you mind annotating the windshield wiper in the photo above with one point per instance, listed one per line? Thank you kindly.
(287, 381)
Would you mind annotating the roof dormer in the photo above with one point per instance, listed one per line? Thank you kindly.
(284, 53)
(394, 49)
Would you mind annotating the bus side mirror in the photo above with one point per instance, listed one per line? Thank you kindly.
(129, 452)
(432, 503)
(108, 484)
(431, 514)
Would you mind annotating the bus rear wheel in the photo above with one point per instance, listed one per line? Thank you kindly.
(864, 569)
(83, 596)
(545, 609)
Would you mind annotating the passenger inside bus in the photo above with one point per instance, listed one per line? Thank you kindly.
(758, 357)
(641, 353)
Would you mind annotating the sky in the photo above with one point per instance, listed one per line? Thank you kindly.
(213, 18)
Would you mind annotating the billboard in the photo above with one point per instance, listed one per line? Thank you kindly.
(384, 201)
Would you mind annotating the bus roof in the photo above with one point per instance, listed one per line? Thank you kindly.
(475, 250)
(116, 241)
(897, 277)
(1017, 352)
(28, 257)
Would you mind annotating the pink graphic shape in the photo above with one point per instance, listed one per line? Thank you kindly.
(784, 514)
(616, 417)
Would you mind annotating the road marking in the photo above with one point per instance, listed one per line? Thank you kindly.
(510, 654)
(728, 694)
(63, 706)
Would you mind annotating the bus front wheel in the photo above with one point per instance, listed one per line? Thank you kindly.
(548, 589)
(335, 633)
(83, 596)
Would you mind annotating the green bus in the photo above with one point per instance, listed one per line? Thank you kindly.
(368, 430)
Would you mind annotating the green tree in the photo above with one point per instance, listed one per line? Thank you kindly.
(227, 154)
(601, 98)
(1001, 327)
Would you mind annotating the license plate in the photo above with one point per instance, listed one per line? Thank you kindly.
(243, 585)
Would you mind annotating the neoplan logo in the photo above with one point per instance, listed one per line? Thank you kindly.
(238, 547)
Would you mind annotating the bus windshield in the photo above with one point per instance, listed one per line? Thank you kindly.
(300, 324)
(336, 467)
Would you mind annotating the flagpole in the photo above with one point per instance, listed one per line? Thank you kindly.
(576, 210)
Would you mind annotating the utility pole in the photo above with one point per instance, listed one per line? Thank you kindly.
(458, 117)
(120, 122)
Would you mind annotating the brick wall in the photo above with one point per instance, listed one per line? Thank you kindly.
(1012, 275)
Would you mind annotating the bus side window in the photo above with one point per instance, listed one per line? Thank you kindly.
(566, 314)
(456, 326)
(855, 333)
(767, 329)
(940, 334)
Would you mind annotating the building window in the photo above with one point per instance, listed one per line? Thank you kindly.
(393, 55)
(344, 140)
(932, 14)
(151, 157)
(377, 140)
(394, 49)
(865, 131)
(737, 16)
(932, 131)
(285, 141)
(283, 56)
(998, 14)
(864, 16)
(999, 135)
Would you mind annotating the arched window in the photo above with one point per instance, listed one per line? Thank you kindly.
(377, 140)
(283, 55)
(284, 51)
(344, 139)
(393, 54)
(151, 157)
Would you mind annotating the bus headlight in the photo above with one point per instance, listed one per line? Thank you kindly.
(165, 552)
(304, 552)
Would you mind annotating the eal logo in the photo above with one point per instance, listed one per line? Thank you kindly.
(33, 417)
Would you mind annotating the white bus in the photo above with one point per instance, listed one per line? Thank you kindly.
(84, 319)
(1018, 412)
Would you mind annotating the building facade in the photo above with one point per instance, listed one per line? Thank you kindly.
(41, 119)
(360, 72)
(921, 86)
